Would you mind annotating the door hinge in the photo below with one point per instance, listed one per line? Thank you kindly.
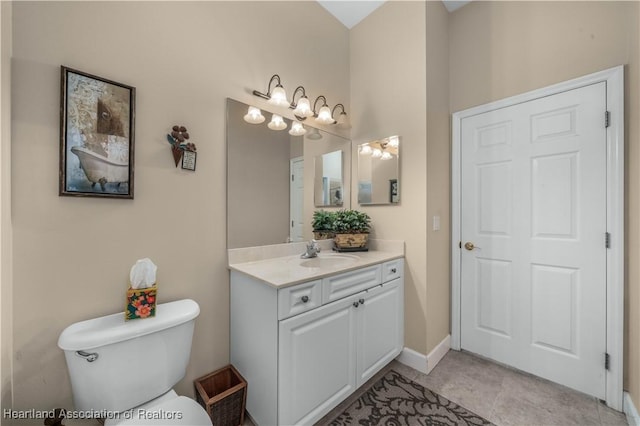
(607, 240)
(291, 178)
(606, 361)
(459, 244)
(292, 224)
(607, 118)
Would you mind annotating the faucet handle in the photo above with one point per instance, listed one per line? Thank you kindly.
(315, 245)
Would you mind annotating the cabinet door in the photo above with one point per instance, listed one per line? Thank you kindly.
(316, 368)
(380, 328)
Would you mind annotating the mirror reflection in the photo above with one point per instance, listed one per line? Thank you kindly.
(379, 171)
(271, 176)
(328, 179)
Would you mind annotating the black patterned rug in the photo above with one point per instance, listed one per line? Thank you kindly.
(395, 400)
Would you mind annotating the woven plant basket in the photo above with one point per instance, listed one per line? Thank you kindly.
(323, 235)
(223, 394)
(351, 241)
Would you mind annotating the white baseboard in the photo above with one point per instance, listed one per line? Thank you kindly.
(425, 363)
(438, 353)
(630, 410)
(413, 359)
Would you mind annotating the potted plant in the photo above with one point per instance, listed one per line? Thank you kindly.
(322, 224)
(352, 230)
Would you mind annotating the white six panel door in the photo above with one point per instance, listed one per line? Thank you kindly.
(533, 202)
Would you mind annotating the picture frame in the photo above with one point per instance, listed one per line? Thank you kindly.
(393, 191)
(97, 132)
(189, 160)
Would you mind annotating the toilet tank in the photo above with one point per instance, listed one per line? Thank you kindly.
(116, 365)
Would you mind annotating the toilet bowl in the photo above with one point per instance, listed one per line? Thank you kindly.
(127, 369)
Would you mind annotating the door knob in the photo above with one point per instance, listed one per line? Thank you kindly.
(469, 246)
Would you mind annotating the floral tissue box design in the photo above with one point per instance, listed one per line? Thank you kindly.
(141, 303)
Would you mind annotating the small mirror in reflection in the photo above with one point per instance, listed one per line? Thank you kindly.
(328, 180)
(379, 171)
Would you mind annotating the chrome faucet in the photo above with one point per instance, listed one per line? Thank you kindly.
(313, 248)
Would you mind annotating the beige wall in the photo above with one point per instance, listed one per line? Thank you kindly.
(388, 60)
(72, 255)
(499, 49)
(6, 307)
(438, 175)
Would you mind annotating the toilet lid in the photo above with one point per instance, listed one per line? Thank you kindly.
(175, 411)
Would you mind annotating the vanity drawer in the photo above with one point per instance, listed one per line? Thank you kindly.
(299, 298)
(392, 269)
(343, 285)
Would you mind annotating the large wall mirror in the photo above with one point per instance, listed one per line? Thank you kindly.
(379, 171)
(275, 179)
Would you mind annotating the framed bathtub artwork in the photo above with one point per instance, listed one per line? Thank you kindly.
(97, 119)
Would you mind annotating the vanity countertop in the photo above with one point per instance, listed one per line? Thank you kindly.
(287, 270)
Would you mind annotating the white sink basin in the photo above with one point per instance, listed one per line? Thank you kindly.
(329, 260)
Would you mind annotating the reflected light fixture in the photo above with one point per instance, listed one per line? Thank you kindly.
(323, 116)
(377, 153)
(302, 108)
(254, 116)
(297, 129)
(277, 123)
(394, 142)
(386, 156)
(343, 121)
(314, 134)
(277, 96)
(366, 149)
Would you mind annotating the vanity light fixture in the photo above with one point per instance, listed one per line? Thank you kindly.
(297, 129)
(377, 153)
(277, 123)
(277, 96)
(254, 116)
(343, 121)
(366, 149)
(386, 155)
(302, 108)
(323, 116)
(394, 142)
(314, 134)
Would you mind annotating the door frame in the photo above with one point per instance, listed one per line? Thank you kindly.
(292, 161)
(614, 77)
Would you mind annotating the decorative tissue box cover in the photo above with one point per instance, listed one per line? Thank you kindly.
(141, 303)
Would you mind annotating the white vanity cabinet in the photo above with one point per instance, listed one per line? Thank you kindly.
(303, 349)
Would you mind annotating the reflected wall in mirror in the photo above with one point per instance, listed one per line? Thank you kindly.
(328, 187)
(379, 171)
(270, 179)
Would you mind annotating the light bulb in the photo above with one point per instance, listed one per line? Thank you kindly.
(394, 141)
(324, 116)
(278, 97)
(343, 121)
(254, 116)
(297, 129)
(386, 156)
(277, 123)
(366, 149)
(303, 108)
(377, 153)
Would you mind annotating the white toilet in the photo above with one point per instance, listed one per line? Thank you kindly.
(124, 371)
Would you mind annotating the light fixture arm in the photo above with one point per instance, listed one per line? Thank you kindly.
(293, 98)
(324, 103)
(341, 107)
(268, 94)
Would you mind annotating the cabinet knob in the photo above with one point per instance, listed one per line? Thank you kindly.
(361, 301)
(305, 299)
(394, 270)
(355, 304)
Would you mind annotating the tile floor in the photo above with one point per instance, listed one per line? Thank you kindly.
(501, 395)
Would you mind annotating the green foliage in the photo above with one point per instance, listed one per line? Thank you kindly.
(351, 222)
(322, 220)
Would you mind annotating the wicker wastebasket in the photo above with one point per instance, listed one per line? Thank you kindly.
(223, 394)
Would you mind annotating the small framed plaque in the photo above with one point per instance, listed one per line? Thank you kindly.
(189, 160)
